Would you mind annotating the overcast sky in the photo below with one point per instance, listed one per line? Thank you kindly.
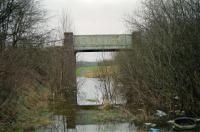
(92, 16)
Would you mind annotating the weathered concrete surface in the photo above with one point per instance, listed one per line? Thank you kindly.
(91, 43)
(70, 65)
(69, 80)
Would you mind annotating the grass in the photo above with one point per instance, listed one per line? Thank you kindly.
(101, 116)
(33, 108)
(81, 70)
(93, 71)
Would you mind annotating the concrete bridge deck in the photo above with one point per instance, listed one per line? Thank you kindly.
(93, 43)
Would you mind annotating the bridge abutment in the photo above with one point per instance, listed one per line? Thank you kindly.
(69, 80)
(70, 66)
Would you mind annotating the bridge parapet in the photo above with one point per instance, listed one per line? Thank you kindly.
(102, 42)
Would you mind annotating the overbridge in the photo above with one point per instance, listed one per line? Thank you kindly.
(88, 43)
(91, 43)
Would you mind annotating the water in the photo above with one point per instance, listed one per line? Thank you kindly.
(91, 92)
(117, 127)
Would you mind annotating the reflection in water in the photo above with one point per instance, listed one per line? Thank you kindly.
(66, 117)
(59, 126)
(91, 93)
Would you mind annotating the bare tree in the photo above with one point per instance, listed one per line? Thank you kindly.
(65, 23)
(105, 77)
(19, 21)
(22, 68)
(163, 63)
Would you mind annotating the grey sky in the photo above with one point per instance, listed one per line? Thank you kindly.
(92, 16)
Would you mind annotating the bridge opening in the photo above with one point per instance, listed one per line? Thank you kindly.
(91, 68)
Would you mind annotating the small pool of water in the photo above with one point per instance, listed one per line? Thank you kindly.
(90, 93)
(117, 127)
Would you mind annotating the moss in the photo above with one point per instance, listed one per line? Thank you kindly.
(1, 129)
